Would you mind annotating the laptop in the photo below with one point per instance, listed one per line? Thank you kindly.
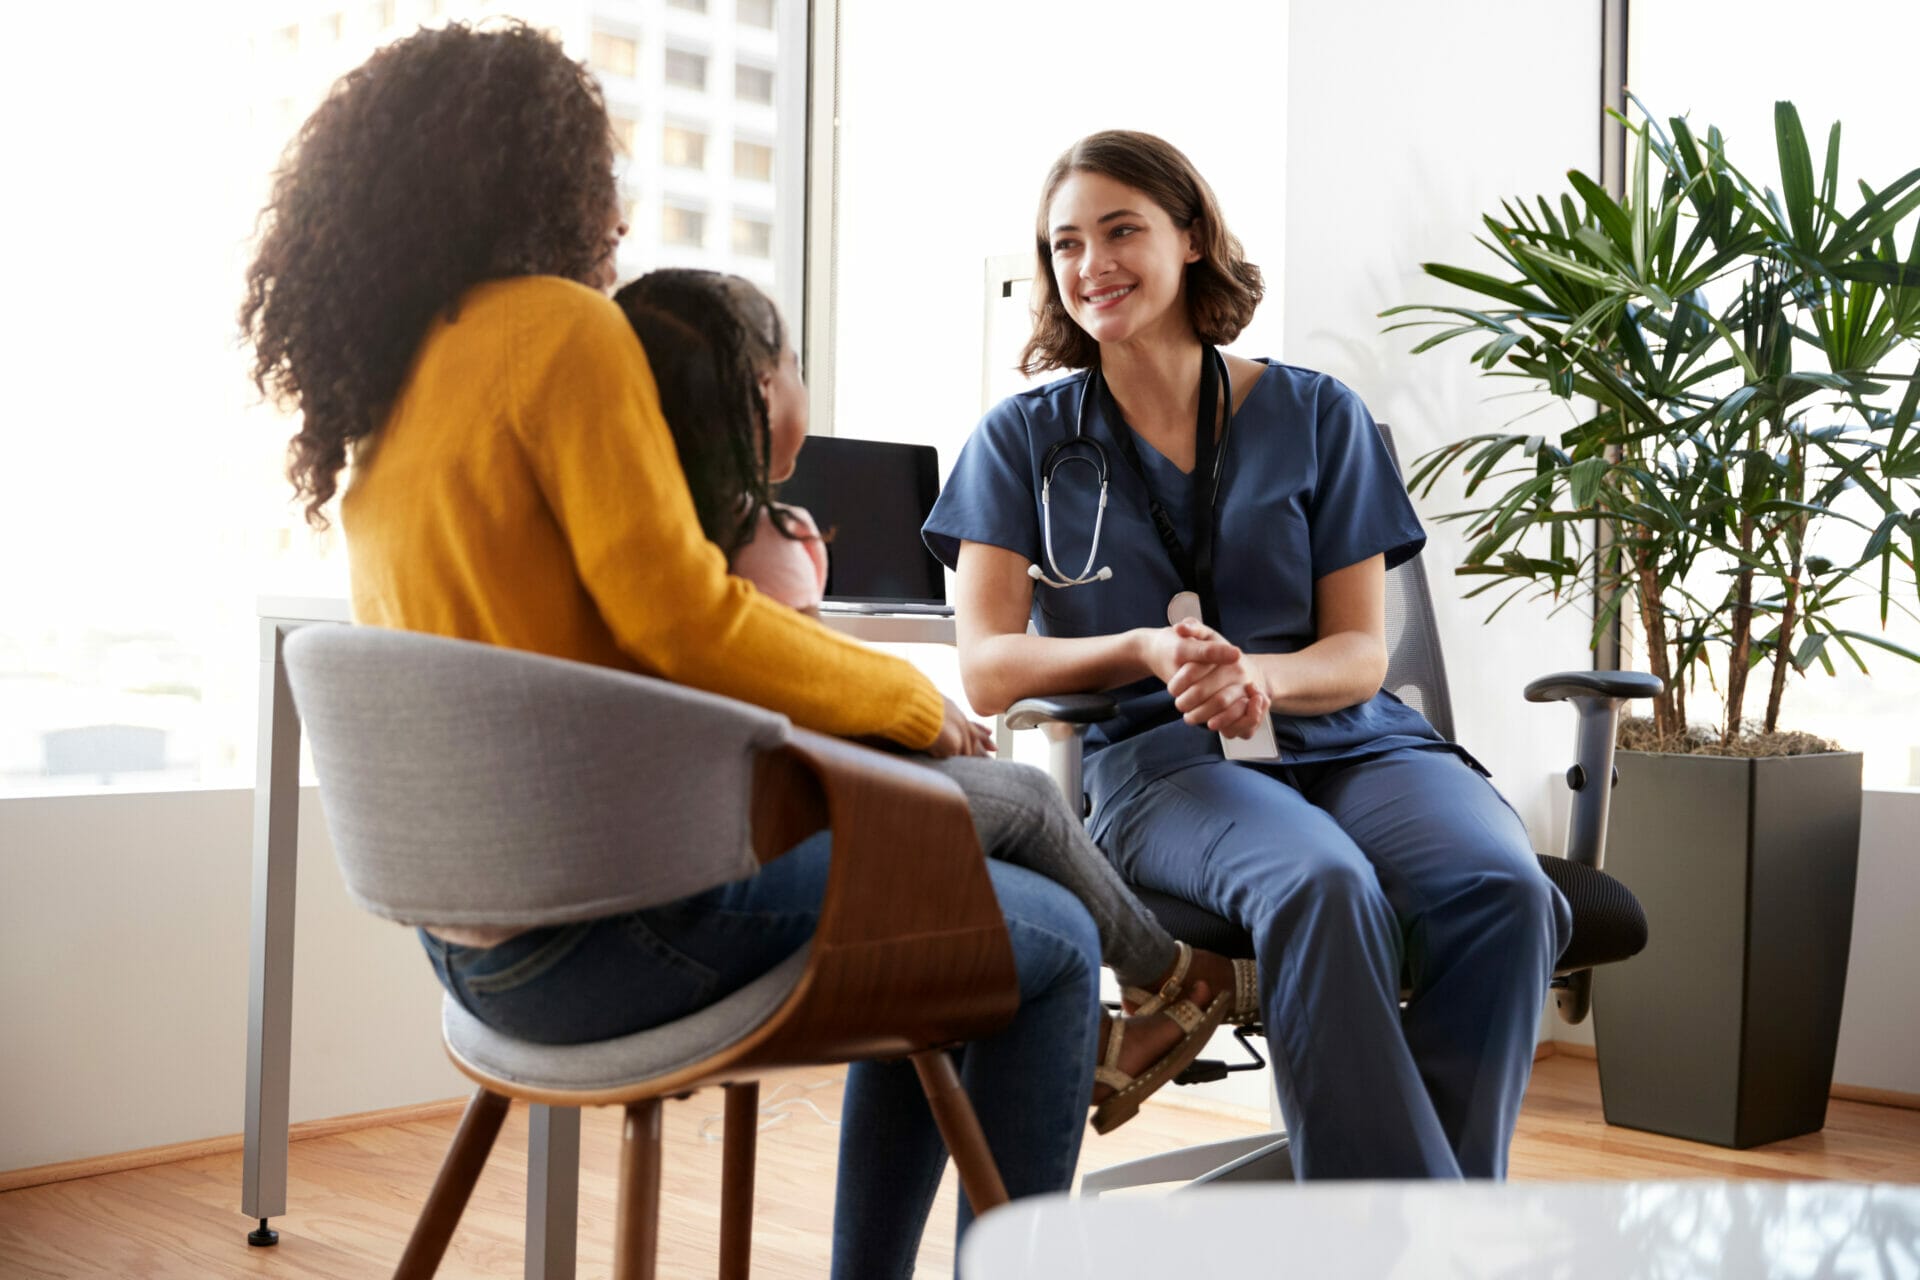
(871, 497)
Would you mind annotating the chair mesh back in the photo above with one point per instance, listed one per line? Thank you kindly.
(1416, 673)
(466, 784)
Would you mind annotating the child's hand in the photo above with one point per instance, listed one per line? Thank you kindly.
(960, 736)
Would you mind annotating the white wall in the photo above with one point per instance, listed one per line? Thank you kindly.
(1407, 122)
(948, 128)
(123, 979)
(1880, 1024)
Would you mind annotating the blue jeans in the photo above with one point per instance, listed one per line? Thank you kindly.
(1029, 1083)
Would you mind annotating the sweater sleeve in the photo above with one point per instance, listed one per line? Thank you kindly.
(587, 413)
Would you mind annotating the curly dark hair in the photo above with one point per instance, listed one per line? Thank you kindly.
(453, 156)
(1223, 288)
(709, 337)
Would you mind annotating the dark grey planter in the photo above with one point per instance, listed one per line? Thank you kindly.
(1723, 1030)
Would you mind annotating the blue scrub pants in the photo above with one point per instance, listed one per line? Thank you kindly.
(1350, 876)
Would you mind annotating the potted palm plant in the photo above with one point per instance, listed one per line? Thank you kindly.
(1743, 459)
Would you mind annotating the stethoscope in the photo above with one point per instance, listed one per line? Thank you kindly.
(1076, 448)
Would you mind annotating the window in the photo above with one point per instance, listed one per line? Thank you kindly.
(684, 225)
(383, 14)
(752, 237)
(626, 131)
(336, 25)
(137, 547)
(752, 161)
(752, 84)
(691, 6)
(754, 13)
(614, 55)
(686, 69)
(683, 148)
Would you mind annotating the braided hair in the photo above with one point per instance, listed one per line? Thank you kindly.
(709, 337)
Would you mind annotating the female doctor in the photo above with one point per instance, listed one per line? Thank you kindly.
(1208, 538)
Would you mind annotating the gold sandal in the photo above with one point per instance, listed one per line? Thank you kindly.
(1246, 989)
(1130, 1091)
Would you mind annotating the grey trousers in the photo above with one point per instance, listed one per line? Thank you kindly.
(1021, 818)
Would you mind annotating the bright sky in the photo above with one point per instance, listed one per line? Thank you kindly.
(124, 254)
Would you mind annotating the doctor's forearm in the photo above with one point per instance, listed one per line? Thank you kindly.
(999, 670)
(1331, 674)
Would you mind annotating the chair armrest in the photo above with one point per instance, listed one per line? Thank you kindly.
(1064, 718)
(1065, 708)
(911, 949)
(1565, 685)
(1596, 696)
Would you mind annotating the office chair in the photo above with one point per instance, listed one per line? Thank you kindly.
(1608, 923)
(471, 785)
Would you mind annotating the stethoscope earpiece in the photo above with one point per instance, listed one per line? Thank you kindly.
(1038, 575)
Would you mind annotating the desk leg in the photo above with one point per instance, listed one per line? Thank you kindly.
(276, 813)
(553, 1191)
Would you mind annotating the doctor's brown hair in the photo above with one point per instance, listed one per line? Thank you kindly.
(1222, 287)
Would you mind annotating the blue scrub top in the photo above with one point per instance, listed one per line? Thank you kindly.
(1307, 487)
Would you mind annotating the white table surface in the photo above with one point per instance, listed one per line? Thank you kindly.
(1453, 1231)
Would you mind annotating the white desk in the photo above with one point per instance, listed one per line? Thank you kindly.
(553, 1154)
(1460, 1231)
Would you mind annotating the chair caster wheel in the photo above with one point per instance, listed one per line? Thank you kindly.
(263, 1235)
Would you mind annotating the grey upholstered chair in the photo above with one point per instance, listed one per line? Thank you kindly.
(470, 785)
(1608, 923)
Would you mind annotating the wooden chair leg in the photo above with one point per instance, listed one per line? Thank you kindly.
(953, 1112)
(636, 1226)
(472, 1143)
(736, 1179)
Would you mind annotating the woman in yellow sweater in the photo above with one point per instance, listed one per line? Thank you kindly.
(426, 294)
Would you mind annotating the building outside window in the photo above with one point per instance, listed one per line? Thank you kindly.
(753, 13)
(128, 639)
(686, 69)
(683, 147)
(752, 236)
(614, 55)
(752, 84)
(626, 131)
(684, 225)
(752, 161)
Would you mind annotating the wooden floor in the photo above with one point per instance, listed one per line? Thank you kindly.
(354, 1194)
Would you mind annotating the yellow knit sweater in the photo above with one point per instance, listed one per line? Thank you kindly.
(525, 492)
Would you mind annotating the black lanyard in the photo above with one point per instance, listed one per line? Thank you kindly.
(1195, 570)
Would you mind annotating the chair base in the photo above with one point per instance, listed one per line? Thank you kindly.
(637, 1203)
(1262, 1157)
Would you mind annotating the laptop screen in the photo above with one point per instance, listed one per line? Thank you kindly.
(871, 497)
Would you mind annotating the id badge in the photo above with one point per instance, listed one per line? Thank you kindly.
(1261, 745)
